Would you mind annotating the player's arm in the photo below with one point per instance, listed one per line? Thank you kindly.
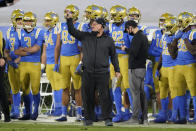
(20, 51)
(191, 46)
(7, 50)
(153, 49)
(7, 54)
(57, 48)
(32, 49)
(17, 60)
(126, 40)
(43, 58)
(114, 58)
(159, 63)
(173, 48)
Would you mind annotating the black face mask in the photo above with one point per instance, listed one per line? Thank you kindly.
(131, 34)
(95, 32)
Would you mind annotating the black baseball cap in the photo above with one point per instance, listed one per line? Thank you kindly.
(130, 23)
(101, 21)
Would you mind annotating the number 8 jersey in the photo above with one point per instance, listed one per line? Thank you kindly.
(69, 45)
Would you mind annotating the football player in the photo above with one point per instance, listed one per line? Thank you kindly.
(29, 48)
(116, 31)
(166, 71)
(185, 69)
(69, 54)
(13, 60)
(155, 50)
(56, 79)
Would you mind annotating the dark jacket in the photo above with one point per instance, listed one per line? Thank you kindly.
(96, 50)
(138, 51)
(1, 56)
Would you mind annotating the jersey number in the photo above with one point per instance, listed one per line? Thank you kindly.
(65, 38)
(117, 36)
(28, 40)
(12, 40)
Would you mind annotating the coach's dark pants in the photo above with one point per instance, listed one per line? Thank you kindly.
(3, 96)
(90, 83)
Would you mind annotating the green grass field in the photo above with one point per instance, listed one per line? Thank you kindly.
(15, 126)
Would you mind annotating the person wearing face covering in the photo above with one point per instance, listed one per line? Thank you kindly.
(97, 49)
(138, 53)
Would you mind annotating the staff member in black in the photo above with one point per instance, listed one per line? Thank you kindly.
(97, 48)
(3, 96)
(138, 53)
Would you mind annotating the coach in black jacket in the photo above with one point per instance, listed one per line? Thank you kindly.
(97, 48)
(3, 95)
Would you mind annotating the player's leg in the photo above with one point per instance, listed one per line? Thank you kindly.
(125, 82)
(156, 85)
(117, 95)
(180, 82)
(52, 78)
(125, 77)
(147, 90)
(25, 86)
(77, 85)
(126, 104)
(35, 74)
(164, 88)
(65, 72)
(190, 77)
(14, 79)
(188, 101)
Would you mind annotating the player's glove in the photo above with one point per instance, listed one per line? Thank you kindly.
(56, 68)
(6, 68)
(79, 69)
(185, 35)
(157, 74)
(13, 64)
(179, 34)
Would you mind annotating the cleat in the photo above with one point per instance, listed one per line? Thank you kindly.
(61, 119)
(181, 121)
(14, 116)
(117, 118)
(87, 123)
(108, 122)
(25, 117)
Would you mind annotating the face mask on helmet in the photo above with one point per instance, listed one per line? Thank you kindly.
(118, 13)
(50, 20)
(170, 25)
(28, 25)
(74, 10)
(19, 23)
(48, 24)
(161, 23)
(168, 29)
(185, 20)
(134, 17)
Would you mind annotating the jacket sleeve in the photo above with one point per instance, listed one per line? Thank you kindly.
(73, 31)
(113, 56)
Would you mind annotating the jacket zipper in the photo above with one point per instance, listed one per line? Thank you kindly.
(95, 54)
